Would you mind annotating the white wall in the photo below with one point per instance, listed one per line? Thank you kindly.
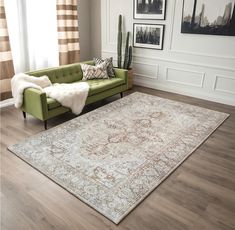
(196, 65)
(84, 24)
(89, 22)
(95, 28)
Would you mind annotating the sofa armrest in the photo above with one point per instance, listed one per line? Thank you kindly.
(35, 103)
(121, 73)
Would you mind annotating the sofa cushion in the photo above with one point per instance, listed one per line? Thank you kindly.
(100, 85)
(52, 103)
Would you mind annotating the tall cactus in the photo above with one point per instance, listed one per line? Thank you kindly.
(119, 44)
(128, 49)
(129, 58)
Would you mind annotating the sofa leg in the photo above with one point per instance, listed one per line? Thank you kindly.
(45, 125)
(121, 94)
(24, 115)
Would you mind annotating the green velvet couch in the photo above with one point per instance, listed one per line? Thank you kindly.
(42, 107)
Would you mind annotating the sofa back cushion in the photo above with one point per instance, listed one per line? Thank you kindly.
(62, 74)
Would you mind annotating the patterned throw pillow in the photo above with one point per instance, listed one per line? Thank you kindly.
(109, 62)
(94, 72)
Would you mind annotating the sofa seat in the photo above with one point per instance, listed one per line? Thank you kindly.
(95, 86)
(100, 85)
(52, 103)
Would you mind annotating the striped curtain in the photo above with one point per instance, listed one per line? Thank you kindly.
(68, 36)
(6, 63)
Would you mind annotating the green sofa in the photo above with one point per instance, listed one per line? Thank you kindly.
(42, 107)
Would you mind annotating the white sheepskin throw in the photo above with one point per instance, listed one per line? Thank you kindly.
(72, 95)
(22, 81)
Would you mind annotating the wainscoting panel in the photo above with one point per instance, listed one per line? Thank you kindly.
(185, 77)
(145, 70)
(225, 84)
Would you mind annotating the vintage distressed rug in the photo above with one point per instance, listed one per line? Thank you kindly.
(113, 157)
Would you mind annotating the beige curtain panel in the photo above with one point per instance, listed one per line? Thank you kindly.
(68, 35)
(6, 63)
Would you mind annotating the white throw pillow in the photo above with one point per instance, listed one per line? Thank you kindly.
(94, 72)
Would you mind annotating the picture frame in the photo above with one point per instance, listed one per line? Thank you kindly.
(149, 36)
(149, 9)
(206, 17)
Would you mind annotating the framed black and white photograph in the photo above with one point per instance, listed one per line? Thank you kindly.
(209, 17)
(149, 9)
(148, 36)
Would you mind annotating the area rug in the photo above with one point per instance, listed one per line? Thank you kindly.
(113, 157)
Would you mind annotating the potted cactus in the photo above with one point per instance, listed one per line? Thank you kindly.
(127, 55)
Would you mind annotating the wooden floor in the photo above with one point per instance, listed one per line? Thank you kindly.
(199, 195)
